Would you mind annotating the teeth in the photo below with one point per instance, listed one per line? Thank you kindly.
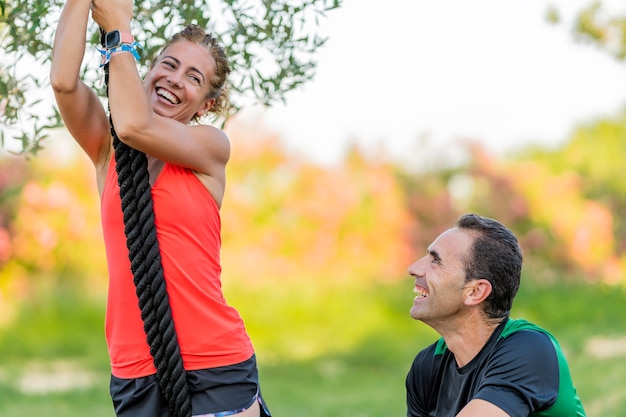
(168, 96)
(420, 292)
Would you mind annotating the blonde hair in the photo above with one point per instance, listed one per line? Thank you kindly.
(219, 86)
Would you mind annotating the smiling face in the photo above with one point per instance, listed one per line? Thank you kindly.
(440, 278)
(179, 81)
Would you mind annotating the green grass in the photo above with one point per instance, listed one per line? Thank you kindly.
(333, 352)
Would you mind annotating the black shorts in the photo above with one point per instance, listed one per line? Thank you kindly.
(221, 391)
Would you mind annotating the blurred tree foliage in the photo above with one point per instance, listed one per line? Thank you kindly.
(50, 234)
(288, 220)
(589, 165)
(564, 204)
(430, 202)
(13, 176)
(598, 25)
(270, 43)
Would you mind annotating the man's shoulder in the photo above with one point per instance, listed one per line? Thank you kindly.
(522, 341)
(434, 349)
(429, 354)
(520, 329)
(515, 325)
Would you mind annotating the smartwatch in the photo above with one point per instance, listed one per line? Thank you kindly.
(115, 38)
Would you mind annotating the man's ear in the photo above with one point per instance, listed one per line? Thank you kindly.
(208, 105)
(477, 291)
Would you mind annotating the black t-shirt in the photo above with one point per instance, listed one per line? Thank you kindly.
(520, 369)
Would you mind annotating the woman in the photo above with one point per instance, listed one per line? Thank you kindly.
(186, 167)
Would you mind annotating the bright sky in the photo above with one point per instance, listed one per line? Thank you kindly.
(416, 75)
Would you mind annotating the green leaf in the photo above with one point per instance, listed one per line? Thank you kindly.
(250, 31)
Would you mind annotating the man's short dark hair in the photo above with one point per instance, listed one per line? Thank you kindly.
(496, 256)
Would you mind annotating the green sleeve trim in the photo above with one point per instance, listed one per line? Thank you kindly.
(567, 401)
(441, 347)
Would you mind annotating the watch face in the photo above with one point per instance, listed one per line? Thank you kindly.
(112, 39)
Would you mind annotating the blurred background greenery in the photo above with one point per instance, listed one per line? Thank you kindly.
(315, 259)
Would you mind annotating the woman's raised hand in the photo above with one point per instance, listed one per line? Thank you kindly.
(112, 14)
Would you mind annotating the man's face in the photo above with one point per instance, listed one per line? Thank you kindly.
(440, 278)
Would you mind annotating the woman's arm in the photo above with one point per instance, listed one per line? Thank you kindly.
(202, 148)
(80, 107)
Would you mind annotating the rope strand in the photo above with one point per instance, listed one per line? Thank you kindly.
(147, 269)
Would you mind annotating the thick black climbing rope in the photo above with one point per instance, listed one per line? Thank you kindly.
(147, 269)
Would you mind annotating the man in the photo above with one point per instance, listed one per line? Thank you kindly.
(485, 364)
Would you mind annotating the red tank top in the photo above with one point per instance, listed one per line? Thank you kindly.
(210, 333)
